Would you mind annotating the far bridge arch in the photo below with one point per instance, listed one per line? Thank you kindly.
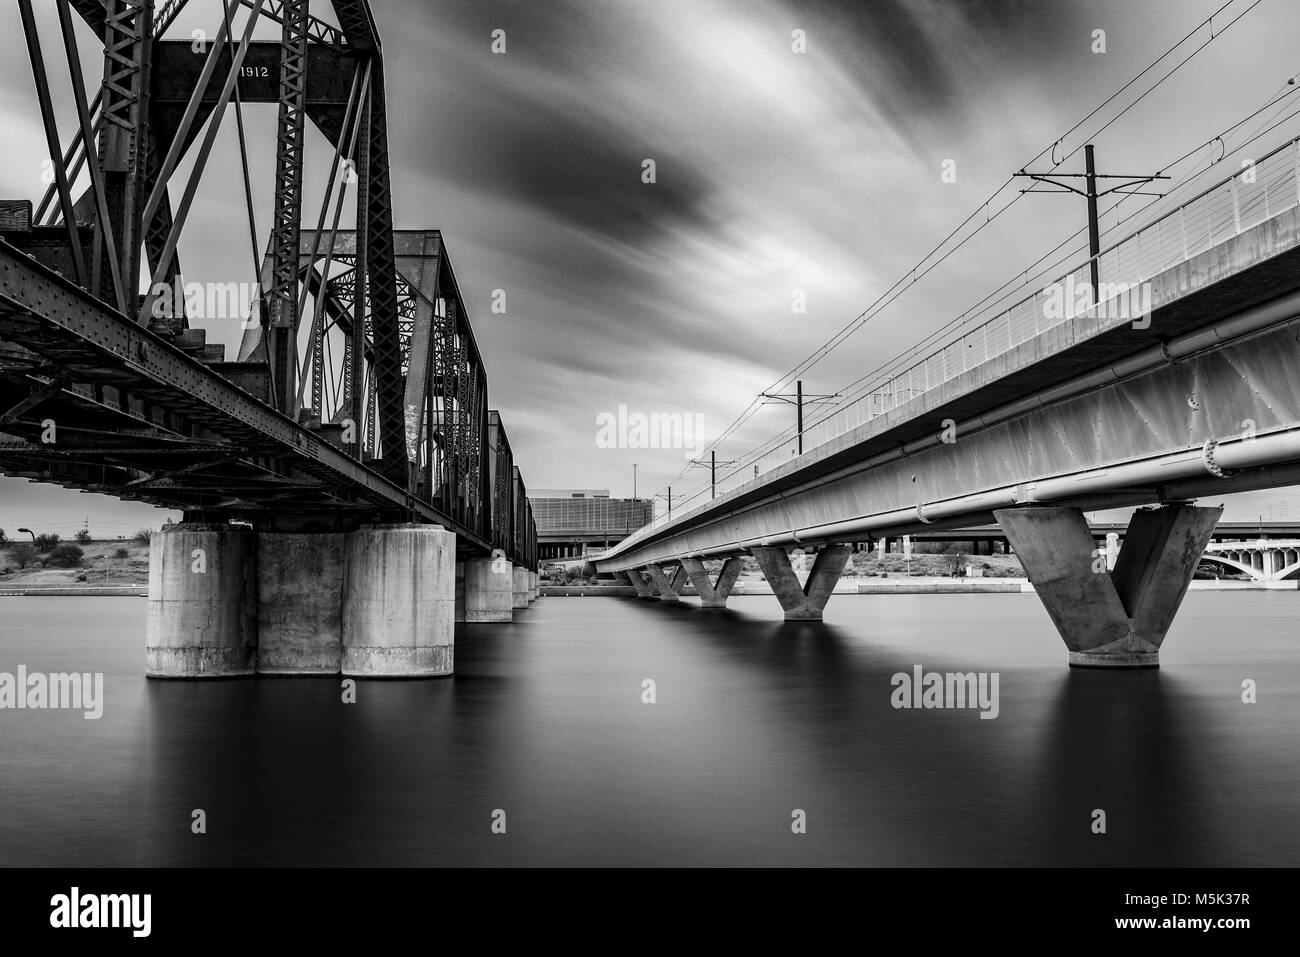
(1214, 558)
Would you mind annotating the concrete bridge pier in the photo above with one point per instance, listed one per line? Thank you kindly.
(489, 590)
(667, 588)
(202, 617)
(400, 602)
(520, 586)
(1111, 618)
(802, 602)
(300, 603)
(643, 590)
(713, 594)
(532, 587)
(460, 592)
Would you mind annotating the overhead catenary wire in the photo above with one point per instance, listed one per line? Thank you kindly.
(920, 269)
(886, 369)
(977, 311)
(911, 276)
(1185, 182)
(882, 372)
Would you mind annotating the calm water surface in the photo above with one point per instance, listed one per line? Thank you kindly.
(754, 717)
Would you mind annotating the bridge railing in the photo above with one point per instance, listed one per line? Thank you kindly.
(1224, 210)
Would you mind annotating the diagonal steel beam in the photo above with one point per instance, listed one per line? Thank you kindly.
(214, 124)
(52, 137)
(84, 129)
(317, 29)
(94, 13)
(34, 399)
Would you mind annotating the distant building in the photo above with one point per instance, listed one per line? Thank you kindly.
(570, 521)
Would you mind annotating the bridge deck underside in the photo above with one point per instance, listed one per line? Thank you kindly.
(135, 417)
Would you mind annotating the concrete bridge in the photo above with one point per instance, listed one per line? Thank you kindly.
(1033, 418)
(348, 493)
(1262, 560)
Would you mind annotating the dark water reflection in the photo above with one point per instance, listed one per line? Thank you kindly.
(754, 717)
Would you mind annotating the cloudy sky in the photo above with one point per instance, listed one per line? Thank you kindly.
(776, 171)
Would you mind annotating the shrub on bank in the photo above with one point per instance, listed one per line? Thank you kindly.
(66, 555)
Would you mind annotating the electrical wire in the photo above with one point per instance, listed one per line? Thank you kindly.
(917, 272)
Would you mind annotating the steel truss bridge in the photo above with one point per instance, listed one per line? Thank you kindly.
(358, 393)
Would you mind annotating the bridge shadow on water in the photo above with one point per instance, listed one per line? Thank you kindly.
(1124, 744)
(913, 787)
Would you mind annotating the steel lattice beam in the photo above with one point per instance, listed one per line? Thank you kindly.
(282, 298)
(357, 24)
(376, 245)
(93, 12)
(124, 139)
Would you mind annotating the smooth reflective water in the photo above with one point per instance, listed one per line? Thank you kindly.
(754, 718)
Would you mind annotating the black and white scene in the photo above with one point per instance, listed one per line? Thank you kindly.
(651, 433)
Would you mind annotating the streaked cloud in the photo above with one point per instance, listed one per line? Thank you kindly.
(775, 172)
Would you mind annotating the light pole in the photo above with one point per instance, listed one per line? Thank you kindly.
(29, 532)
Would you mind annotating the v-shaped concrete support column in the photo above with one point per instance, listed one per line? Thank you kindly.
(643, 589)
(666, 587)
(713, 594)
(1114, 619)
(802, 602)
(633, 577)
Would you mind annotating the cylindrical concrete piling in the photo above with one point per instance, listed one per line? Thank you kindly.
(520, 575)
(202, 602)
(299, 603)
(460, 591)
(399, 602)
(489, 590)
